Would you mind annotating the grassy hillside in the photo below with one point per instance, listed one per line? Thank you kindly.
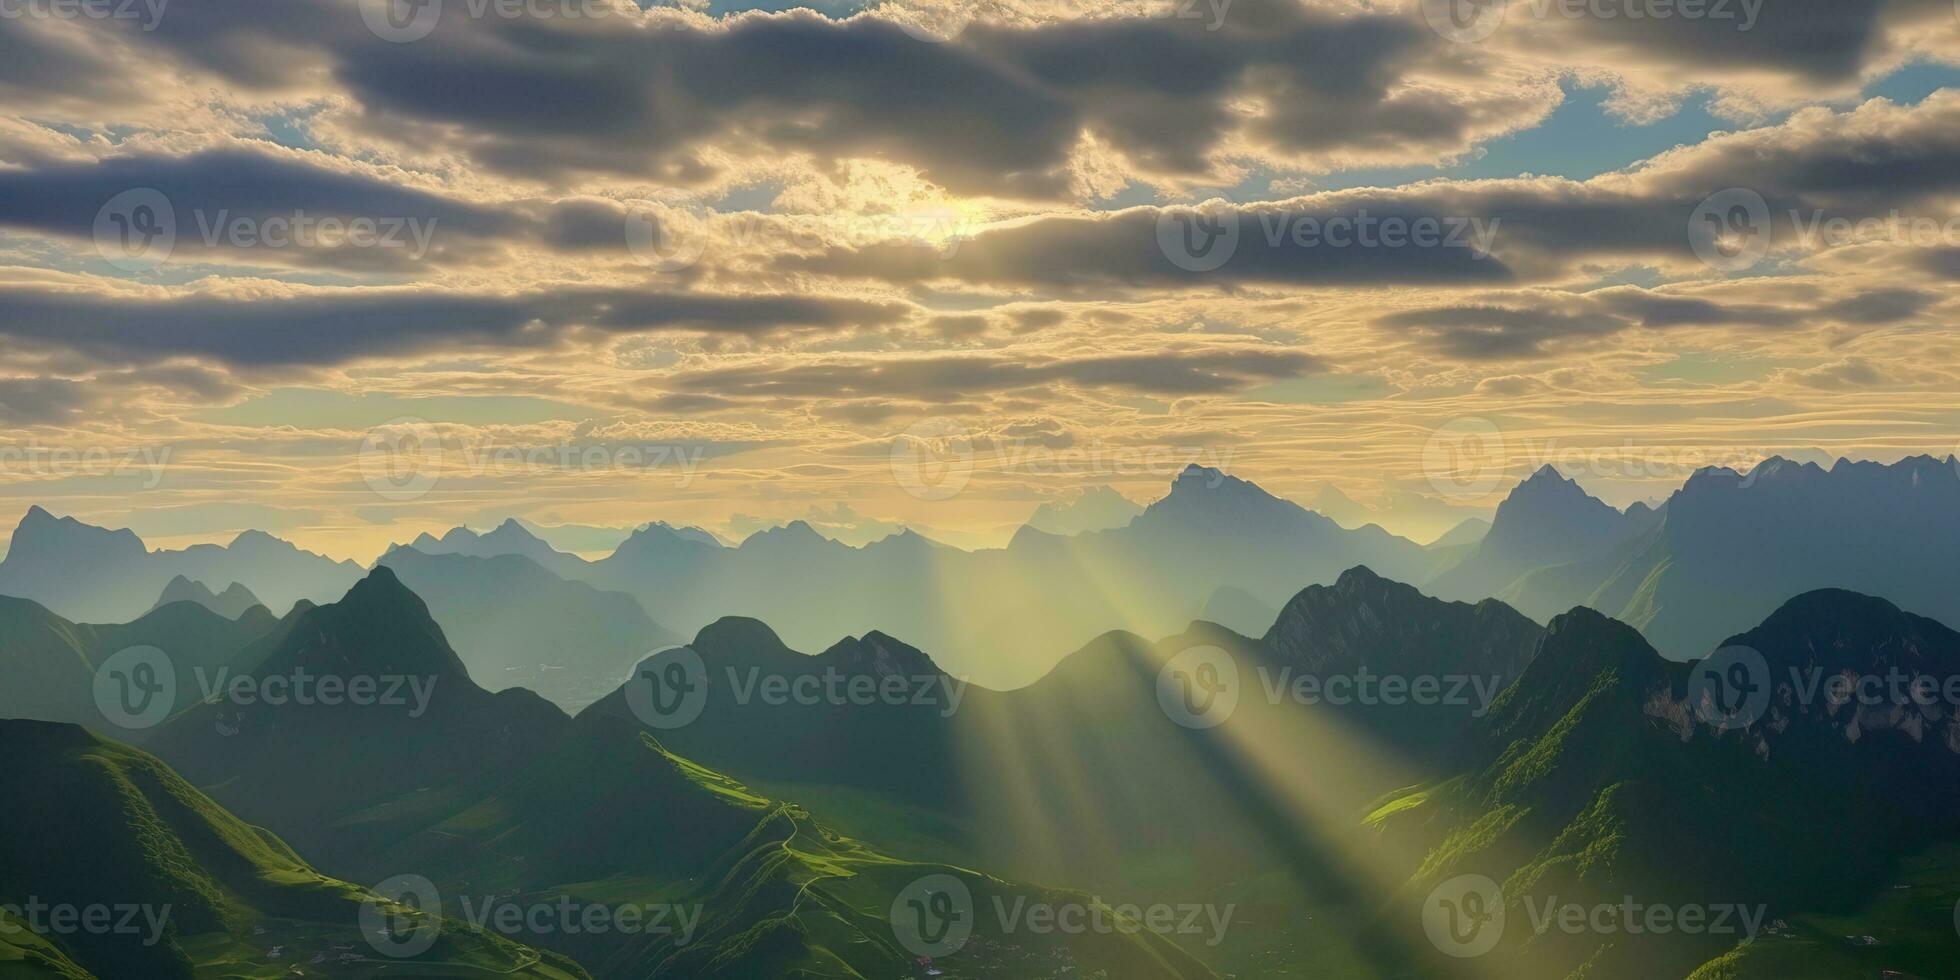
(96, 824)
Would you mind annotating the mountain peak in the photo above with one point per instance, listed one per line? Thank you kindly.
(878, 654)
(1359, 577)
(379, 627)
(794, 533)
(738, 632)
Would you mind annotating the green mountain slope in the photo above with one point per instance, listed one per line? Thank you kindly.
(1596, 778)
(612, 818)
(188, 890)
(420, 730)
(49, 663)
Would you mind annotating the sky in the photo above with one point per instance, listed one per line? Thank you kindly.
(350, 270)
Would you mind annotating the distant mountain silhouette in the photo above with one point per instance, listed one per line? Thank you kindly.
(1095, 509)
(95, 823)
(1237, 610)
(1019, 608)
(1471, 531)
(236, 601)
(1730, 548)
(93, 574)
(517, 625)
(1545, 521)
(48, 664)
(509, 538)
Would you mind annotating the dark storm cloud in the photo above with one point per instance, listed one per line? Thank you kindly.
(1525, 327)
(1656, 310)
(1820, 167)
(945, 379)
(343, 325)
(234, 199)
(1880, 306)
(1129, 248)
(1475, 333)
(997, 110)
(1816, 40)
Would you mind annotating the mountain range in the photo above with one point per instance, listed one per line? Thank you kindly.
(1600, 775)
(1714, 558)
(504, 796)
(235, 601)
(1589, 773)
(1727, 549)
(97, 575)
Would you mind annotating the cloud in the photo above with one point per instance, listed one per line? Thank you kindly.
(949, 378)
(40, 401)
(1002, 109)
(1818, 168)
(1859, 373)
(1499, 332)
(333, 326)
